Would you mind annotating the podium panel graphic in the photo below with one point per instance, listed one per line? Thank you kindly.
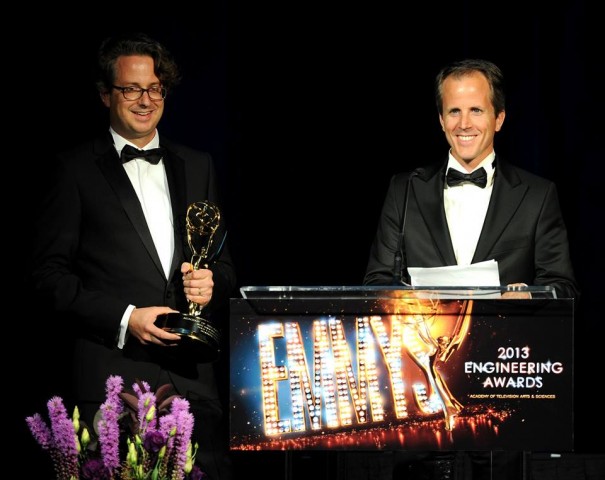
(375, 368)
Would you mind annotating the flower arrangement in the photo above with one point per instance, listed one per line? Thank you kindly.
(152, 431)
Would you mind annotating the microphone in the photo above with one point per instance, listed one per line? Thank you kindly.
(400, 259)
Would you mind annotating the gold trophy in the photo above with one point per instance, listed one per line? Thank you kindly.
(430, 349)
(197, 333)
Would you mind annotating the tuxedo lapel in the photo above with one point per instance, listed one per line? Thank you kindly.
(427, 190)
(505, 202)
(110, 165)
(177, 183)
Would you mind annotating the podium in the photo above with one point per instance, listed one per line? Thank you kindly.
(400, 368)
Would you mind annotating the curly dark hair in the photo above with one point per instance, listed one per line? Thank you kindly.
(111, 48)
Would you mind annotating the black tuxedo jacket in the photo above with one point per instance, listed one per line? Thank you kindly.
(94, 255)
(523, 229)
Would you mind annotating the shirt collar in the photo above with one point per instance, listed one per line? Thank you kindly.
(488, 163)
(120, 141)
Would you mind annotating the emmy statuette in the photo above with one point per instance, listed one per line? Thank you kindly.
(198, 334)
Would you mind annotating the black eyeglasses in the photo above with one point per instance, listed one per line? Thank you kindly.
(134, 93)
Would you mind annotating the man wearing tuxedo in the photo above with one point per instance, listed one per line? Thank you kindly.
(111, 251)
(471, 207)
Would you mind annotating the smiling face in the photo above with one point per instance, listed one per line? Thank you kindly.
(468, 118)
(135, 120)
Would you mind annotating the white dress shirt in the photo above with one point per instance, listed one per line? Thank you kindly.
(151, 186)
(465, 208)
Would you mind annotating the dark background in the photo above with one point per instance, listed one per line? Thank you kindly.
(308, 108)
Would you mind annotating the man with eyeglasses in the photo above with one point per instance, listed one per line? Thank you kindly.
(111, 252)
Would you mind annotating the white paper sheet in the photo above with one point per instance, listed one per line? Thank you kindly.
(482, 274)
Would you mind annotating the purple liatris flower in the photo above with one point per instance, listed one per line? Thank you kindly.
(62, 427)
(137, 388)
(168, 428)
(184, 424)
(147, 412)
(40, 430)
(108, 427)
(113, 387)
(64, 438)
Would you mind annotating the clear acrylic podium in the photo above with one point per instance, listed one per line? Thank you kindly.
(401, 368)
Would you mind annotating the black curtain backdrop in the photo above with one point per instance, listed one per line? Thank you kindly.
(308, 109)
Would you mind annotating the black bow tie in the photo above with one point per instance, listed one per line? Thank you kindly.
(153, 155)
(478, 177)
